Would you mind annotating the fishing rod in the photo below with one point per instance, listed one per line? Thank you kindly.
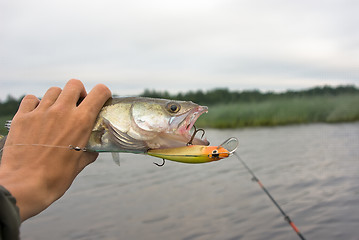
(286, 217)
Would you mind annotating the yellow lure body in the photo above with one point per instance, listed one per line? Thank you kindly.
(191, 153)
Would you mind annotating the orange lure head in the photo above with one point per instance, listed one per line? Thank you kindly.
(215, 153)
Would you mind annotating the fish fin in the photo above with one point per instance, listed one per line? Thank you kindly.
(125, 141)
(116, 157)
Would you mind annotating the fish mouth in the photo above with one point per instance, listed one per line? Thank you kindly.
(187, 122)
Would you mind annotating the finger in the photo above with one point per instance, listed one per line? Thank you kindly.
(72, 92)
(94, 101)
(50, 97)
(28, 103)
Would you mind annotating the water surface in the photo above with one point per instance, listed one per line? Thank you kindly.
(311, 170)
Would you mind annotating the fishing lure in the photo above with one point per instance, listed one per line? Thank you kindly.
(196, 153)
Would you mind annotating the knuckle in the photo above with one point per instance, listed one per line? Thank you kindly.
(104, 90)
(29, 102)
(30, 98)
(74, 81)
(75, 86)
(55, 89)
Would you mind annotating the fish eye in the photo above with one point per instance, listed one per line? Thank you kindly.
(173, 107)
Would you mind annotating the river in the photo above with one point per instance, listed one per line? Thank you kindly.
(311, 170)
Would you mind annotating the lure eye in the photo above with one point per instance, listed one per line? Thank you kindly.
(215, 153)
(173, 107)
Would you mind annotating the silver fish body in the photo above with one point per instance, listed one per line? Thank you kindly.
(136, 124)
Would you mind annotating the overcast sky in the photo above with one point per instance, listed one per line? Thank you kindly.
(177, 45)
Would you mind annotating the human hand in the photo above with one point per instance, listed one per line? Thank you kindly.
(37, 175)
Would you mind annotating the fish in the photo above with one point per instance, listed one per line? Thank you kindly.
(138, 124)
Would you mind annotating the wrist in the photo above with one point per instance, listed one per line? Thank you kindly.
(31, 197)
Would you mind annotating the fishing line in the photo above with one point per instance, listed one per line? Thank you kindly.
(70, 147)
(255, 179)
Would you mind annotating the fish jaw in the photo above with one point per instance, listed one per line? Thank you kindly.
(184, 127)
(178, 133)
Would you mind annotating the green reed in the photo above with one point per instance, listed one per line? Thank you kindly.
(283, 111)
(330, 109)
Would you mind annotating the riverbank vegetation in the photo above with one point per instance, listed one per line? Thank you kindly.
(231, 109)
(297, 110)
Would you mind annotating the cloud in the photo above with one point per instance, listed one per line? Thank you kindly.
(178, 45)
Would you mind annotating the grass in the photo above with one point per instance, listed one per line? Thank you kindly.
(329, 109)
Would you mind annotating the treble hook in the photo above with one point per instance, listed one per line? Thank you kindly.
(194, 134)
(160, 165)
